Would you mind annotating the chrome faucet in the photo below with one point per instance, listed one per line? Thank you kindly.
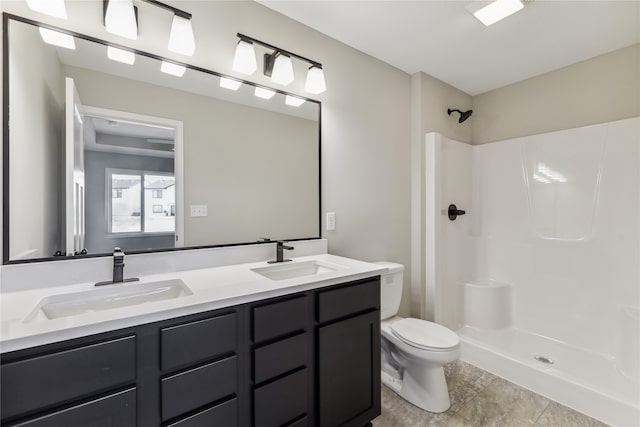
(118, 269)
(280, 248)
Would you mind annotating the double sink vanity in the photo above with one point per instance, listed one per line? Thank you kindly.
(257, 344)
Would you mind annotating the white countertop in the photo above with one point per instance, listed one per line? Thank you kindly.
(212, 288)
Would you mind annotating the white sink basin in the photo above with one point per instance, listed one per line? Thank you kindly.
(113, 296)
(292, 270)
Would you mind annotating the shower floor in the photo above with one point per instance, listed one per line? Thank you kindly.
(583, 380)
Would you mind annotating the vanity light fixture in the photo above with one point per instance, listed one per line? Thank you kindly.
(278, 64)
(263, 93)
(244, 61)
(315, 80)
(57, 38)
(281, 68)
(121, 55)
(230, 83)
(181, 37)
(293, 101)
(490, 12)
(49, 7)
(120, 18)
(173, 69)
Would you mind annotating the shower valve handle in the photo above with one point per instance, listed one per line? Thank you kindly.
(454, 212)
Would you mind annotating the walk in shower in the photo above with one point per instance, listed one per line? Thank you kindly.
(541, 277)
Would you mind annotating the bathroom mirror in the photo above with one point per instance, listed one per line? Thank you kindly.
(148, 156)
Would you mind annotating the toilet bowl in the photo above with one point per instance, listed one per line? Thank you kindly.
(414, 351)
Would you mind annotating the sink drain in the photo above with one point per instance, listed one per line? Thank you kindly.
(543, 359)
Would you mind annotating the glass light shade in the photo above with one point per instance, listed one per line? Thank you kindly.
(120, 19)
(173, 69)
(263, 93)
(121, 55)
(315, 81)
(244, 60)
(57, 39)
(229, 83)
(181, 37)
(282, 70)
(49, 7)
(496, 10)
(293, 101)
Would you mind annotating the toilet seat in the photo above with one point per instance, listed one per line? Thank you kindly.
(425, 335)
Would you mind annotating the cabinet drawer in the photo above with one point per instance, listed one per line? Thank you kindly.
(280, 318)
(280, 357)
(222, 415)
(114, 410)
(281, 401)
(50, 379)
(197, 387)
(336, 303)
(197, 341)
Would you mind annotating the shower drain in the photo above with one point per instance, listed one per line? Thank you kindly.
(543, 359)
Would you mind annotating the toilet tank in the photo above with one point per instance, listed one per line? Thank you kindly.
(390, 289)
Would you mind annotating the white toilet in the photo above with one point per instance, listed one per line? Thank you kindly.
(413, 350)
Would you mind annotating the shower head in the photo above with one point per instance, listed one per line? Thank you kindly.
(463, 115)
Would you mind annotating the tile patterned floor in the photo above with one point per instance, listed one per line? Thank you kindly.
(481, 399)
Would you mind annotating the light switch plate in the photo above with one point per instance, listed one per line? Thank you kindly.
(331, 221)
(198, 210)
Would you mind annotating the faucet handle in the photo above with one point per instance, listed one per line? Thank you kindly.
(264, 240)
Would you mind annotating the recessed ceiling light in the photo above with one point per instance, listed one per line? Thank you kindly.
(490, 12)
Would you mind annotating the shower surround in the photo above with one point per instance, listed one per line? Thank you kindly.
(541, 277)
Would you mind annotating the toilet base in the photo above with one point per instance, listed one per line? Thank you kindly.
(423, 386)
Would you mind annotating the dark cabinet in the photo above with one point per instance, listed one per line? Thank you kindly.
(306, 359)
(348, 362)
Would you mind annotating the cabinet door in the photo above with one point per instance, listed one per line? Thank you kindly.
(349, 371)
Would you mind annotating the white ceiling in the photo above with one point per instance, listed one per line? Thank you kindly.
(445, 41)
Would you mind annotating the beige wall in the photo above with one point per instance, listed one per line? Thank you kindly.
(598, 90)
(36, 132)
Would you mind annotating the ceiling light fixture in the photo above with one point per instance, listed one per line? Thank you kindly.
(278, 64)
(121, 55)
(120, 18)
(57, 38)
(49, 7)
(490, 12)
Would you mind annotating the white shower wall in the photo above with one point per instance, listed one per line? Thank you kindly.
(559, 220)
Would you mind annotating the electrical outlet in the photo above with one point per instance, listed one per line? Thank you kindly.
(198, 210)
(331, 221)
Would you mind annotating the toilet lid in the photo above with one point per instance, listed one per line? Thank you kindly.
(424, 334)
